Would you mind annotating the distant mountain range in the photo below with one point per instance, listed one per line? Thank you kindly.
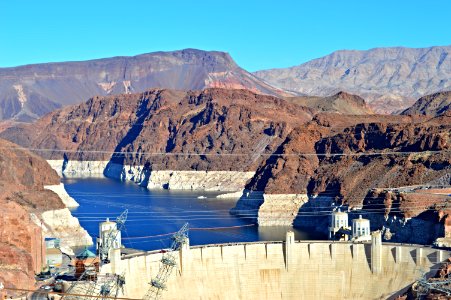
(389, 79)
(28, 92)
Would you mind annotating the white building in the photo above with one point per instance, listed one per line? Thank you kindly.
(108, 230)
(361, 230)
(339, 222)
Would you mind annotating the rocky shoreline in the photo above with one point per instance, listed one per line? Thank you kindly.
(266, 209)
(218, 181)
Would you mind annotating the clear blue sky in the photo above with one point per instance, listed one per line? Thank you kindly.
(258, 34)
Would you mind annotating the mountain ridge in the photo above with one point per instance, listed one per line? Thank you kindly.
(29, 92)
(390, 78)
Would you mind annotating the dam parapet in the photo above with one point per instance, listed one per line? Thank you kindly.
(282, 270)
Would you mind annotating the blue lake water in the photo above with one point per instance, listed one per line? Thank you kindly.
(152, 214)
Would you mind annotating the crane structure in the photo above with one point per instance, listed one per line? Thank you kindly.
(109, 283)
(168, 262)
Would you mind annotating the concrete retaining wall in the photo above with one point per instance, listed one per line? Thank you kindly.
(281, 270)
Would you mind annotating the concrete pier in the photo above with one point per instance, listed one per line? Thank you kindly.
(376, 252)
(282, 270)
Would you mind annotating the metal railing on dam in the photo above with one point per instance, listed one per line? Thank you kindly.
(143, 253)
(282, 269)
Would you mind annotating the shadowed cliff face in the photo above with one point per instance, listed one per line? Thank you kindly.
(351, 176)
(22, 179)
(239, 125)
(29, 92)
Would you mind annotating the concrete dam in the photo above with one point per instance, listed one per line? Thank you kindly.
(281, 270)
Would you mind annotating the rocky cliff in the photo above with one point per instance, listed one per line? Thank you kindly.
(432, 105)
(342, 102)
(29, 92)
(389, 78)
(210, 130)
(26, 204)
(290, 160)
(338, 162)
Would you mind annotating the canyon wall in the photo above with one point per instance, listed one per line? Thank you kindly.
(268, 209)
(34, 205)
(22, 249)
(224, 140)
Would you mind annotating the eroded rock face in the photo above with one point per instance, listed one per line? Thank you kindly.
(432, 105)
(322, 158)
(23, 177)
(341, 102)
(21, 247)
(408, 216)
(226, 130)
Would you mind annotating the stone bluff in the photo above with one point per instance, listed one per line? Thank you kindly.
(282, 270)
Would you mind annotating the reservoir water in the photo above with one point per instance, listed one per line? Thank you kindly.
(154, 215)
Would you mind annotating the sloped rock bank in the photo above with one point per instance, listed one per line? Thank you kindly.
(28, 215)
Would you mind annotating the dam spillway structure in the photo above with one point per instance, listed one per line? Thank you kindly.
(287, 269)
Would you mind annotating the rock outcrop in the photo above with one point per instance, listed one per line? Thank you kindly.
(125, 137)
(343, 160)
(390, 79)
(431, 105)
(26, 209)
(342, 102)
(59, 189)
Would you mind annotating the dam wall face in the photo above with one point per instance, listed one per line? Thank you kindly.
(281, 270)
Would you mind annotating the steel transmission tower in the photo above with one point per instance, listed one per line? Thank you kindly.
(111, 285)
(168, 262)
(111, 236)
(113, 281)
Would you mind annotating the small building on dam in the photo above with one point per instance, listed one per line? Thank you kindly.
(287, 269)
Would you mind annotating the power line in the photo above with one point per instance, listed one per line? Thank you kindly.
(226, 154)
